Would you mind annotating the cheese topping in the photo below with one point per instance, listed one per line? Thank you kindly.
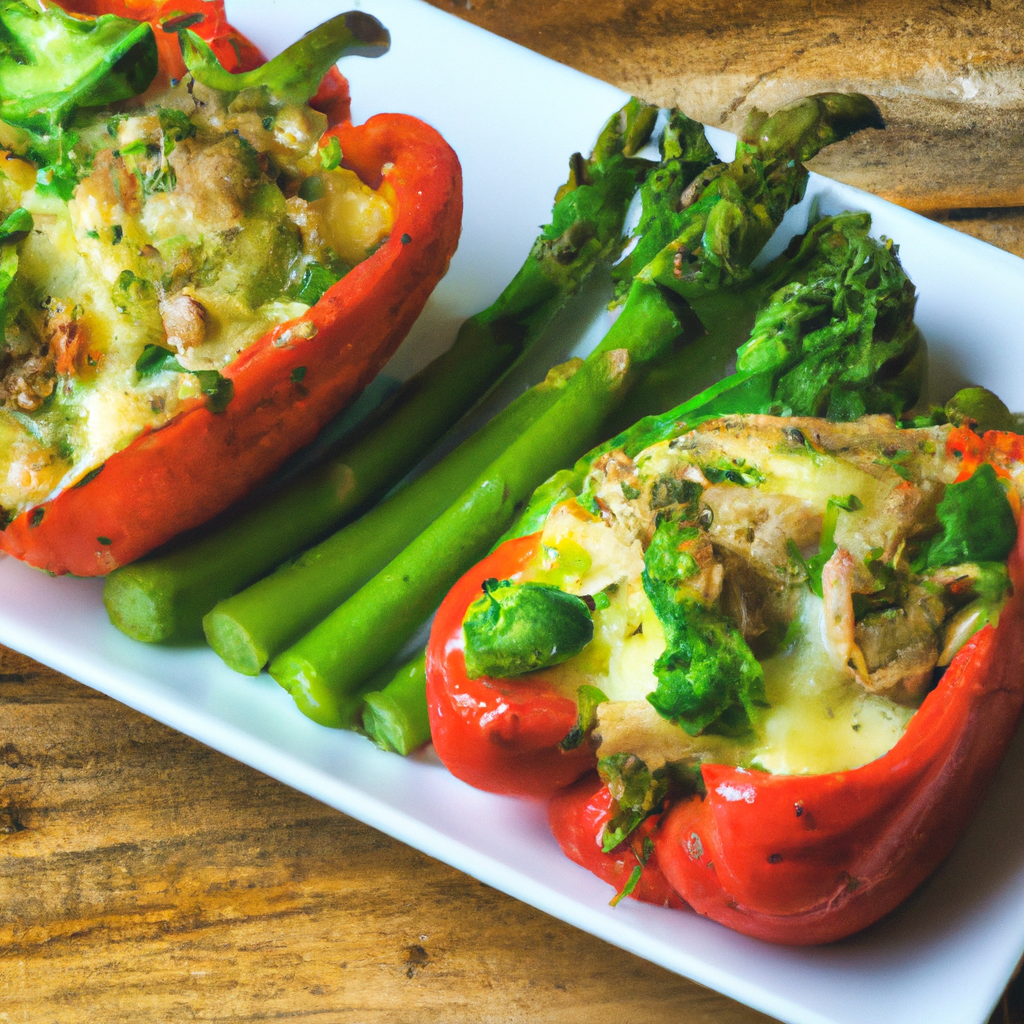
(816, 546)
(196, 225)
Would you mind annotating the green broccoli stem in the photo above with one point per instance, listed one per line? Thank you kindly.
(396, 717)
(368, 630)
(163, 599)
(249, 628)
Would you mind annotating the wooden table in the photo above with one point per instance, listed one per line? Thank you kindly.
(145, 878)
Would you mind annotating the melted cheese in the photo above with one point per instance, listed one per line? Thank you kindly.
(78, 252)
(820, 720)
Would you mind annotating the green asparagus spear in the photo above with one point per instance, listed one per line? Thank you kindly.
(253, 625)
(731, 221)
(686, 158)
(163, 599)
(396, 718)
(368, 630)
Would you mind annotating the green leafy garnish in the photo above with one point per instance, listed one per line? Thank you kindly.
(637, 791)
(646, 849)
(514, 628)
(16, 226)
(217, 389)
(737, 471)
(977, 522)
(174, 127)
(587, 699)
(316, 279)
(827, 547)
(708, 678)
(294, 75)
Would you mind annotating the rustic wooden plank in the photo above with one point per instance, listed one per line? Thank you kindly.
(1003, 228)
(948, 77)
(146, 877)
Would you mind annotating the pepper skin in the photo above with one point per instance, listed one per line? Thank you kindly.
(179, 476)
(803, 860)
(501, 735)
(578, 815)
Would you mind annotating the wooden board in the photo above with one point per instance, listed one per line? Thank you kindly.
(949, 78)
(145, 878)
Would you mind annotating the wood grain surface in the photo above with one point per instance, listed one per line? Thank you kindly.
(145, 878)
(948, 76)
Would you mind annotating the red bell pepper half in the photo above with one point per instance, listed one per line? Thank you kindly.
(177, 477)
(798, 860)
(803, 860)
(501, 735)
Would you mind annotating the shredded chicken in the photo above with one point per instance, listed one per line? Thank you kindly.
(891, 651)
(633, 726)
(758, 527)
(838, 623)
(618, 491)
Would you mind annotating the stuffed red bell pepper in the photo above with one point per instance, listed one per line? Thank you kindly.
(197, 281)
(796, 649)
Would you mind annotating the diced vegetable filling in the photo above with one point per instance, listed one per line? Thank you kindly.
(139, 257)
(774, 593)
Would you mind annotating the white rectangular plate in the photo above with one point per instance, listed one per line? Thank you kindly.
(514, 117)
